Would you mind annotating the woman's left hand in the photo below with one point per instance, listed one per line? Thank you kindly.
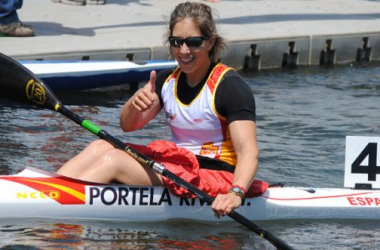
(225, 203)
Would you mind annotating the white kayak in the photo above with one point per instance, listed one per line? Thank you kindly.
(35, 193)
(80, 75)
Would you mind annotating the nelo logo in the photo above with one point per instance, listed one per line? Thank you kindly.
(35, 92)
(43, 194)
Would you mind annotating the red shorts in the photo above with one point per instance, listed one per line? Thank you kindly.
(184, 164)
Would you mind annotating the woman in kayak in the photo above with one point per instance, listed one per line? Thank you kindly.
(210, 111)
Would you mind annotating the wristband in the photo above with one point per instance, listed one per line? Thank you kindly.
(236, 190)
(243, 189)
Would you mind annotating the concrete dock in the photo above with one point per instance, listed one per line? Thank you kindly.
(260, 34)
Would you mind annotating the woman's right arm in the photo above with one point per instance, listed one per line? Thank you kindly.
(142, 107)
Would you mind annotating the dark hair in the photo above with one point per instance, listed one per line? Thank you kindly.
(202, 15)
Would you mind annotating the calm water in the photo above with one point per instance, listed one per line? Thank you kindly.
(303, 118)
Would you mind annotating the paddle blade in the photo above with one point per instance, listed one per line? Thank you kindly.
(20, 84)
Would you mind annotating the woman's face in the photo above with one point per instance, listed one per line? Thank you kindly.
(193, 60)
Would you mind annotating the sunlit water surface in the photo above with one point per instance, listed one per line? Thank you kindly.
(304, 116)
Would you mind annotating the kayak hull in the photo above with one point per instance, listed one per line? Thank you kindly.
(81, 75)
(38, 194)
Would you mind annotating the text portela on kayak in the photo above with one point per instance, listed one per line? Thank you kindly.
(141, 196)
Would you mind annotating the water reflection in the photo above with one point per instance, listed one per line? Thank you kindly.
(83, 235)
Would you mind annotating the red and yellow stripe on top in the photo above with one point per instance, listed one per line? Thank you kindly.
(59, 189)
(197, 126)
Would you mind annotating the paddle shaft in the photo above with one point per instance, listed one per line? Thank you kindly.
(159, 168)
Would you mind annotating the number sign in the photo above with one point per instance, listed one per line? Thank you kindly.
(362, 165)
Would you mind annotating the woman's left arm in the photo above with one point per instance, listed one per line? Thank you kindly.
(243, 134)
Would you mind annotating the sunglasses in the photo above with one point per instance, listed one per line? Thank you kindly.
(191, 42)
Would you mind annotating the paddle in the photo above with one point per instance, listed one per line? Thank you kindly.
(19, 84)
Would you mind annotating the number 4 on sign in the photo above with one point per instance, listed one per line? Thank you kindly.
(361, 165)
(371, 169)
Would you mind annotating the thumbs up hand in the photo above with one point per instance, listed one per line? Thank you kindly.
(143, 106)
(144, 98)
